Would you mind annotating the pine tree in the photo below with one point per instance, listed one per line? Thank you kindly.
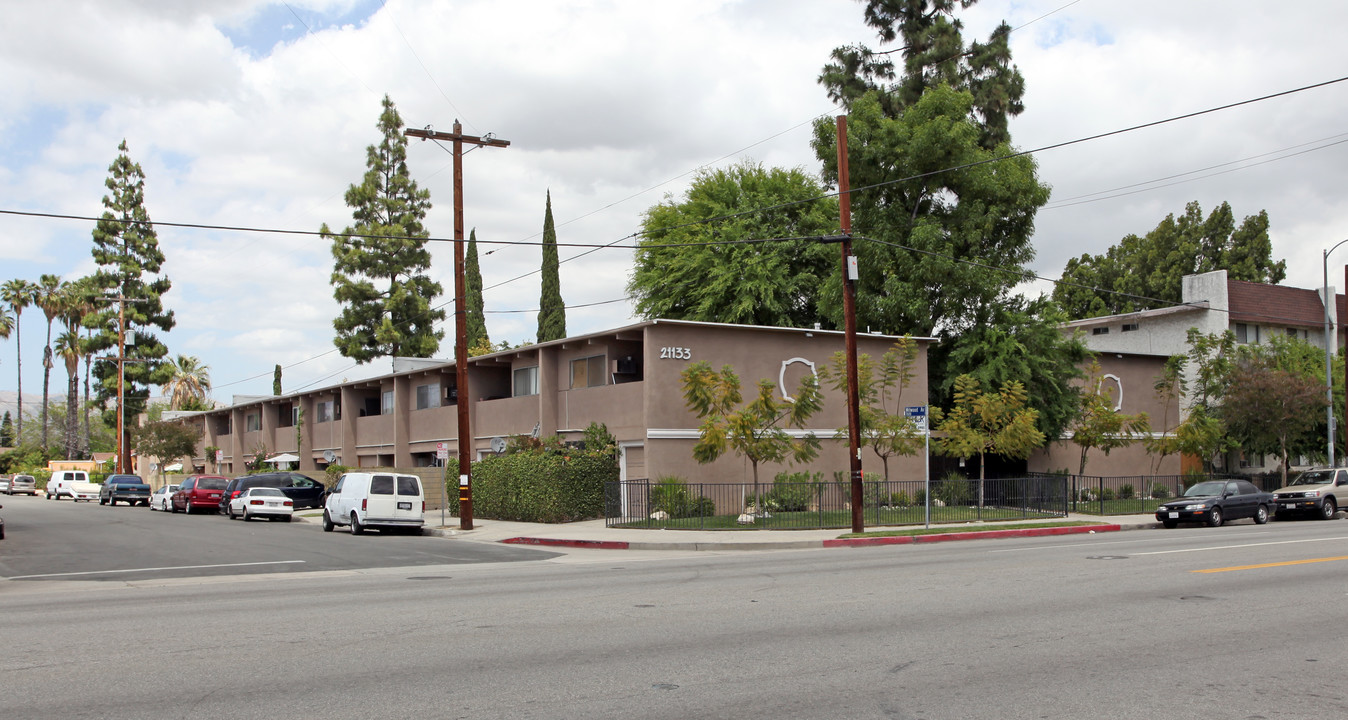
(472, 281)
(379, 270)
(7, 431)
(126, 249)
(276, 380)
(551, 310)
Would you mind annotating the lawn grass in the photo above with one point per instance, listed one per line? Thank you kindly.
(968, 528)
(1134, 506)
(807, 520)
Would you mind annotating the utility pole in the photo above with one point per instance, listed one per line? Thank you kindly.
(849, 279)
(123, 442)
(465, 441)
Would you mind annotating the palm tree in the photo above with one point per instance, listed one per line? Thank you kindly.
(69, 347)
(19, 294)
(50, 297)
(82, 298)
(190, 384)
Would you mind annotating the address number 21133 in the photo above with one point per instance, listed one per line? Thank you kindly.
(676, 353)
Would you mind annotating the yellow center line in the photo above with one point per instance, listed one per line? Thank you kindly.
(1269, 565)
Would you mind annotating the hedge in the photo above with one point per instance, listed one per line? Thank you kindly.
(548, 487)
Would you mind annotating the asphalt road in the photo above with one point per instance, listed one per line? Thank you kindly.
(52, 540)
(1242, 621)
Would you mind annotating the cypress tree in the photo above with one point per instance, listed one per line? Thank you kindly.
(276, 381)
(7, 431)
(472, 281)
(380, 264)
(551, 309)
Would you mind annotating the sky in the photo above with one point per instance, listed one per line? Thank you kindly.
(257, 114)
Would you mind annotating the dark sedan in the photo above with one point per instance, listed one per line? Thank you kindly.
(303, 490)
(1216, 501)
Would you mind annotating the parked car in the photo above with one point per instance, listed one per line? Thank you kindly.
(62, 481)
(1321, 491)
(162, 498)
(130, 489)
(4, 484)
(379, 500)
(1216, 501)
(198, 492)
(266, 502)
(24, 484)
(2, 526)
(305, 491)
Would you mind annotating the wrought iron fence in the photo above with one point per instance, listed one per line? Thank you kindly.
(828, 504)
(1127, 494)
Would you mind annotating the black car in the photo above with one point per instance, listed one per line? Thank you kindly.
(1216, 501)
(303, 490)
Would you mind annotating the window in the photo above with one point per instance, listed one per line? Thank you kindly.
(408, 485)
(323, 411)
(1291, 332)
(1130, 327)
(526, 381)
(428, 396)
(252, 422)
(387, 408)
(1100, 331)
(1248, 334)
(381, 485)
(587, 372)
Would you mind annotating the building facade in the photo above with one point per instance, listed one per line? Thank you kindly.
(628, 379)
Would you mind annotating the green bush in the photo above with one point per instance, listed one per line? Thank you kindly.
(546, 483)
(900, 499)
(954, 489)
(671, 495)
(1126, 492)
(793, 492)
(1159, 491)
(920, 497)
(1107, 494)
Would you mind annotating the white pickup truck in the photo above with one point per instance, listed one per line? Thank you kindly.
(73, 484)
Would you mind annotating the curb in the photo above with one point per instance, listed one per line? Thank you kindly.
(806, 544)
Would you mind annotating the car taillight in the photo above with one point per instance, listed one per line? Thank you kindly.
(256, 502)
(289, 503)
(362, 503)
(235, 494)
(423, 507)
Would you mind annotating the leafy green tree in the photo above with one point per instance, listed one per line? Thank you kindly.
(130, 266)
(681, 275)
(942, 246)
(934, 54)
(1170, 389)
(551, 309)
(754, 430)
(166, 441)
(1146, 272)
(1016, 340)
(1100, 425)
(472, 283)
(380, 264)
(210, 451)
(884, 427)
(1273, 411)
(18, 294)
(997, 422)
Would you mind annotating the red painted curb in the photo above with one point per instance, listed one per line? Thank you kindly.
(971, 535)
(599, 544)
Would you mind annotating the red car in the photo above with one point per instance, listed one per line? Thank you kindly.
(198, 492)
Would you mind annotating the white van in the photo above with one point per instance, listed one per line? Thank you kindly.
(73, 484)
(377, 500)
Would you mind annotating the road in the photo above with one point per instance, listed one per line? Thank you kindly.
(1242, 621)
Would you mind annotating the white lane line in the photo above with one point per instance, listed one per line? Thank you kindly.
(1232, 547)
(136, 570)
(1170, 538)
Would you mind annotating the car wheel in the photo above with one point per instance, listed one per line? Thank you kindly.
(327, 522)
(246, 516)
(289, 518)
(356, 527)
(1328, 509)
(1261, 515)
(1170, 524)
(1215, 517)
(102, 501)
(231, 513)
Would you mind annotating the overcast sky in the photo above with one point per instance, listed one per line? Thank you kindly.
(257, 113)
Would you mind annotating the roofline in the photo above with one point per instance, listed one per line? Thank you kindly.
(1156, 312)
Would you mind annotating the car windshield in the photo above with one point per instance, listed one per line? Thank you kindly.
(1314, 477)
(270, 492)
(1206, 489)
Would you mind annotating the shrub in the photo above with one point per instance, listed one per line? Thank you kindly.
(920, 497)
(1106, 494)
(954, 490)
(793, 492)
(900, 499)
(671, 495)
(1126, 492)
(1159, 491)
(542, 483)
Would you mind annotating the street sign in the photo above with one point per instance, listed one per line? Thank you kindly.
(442, 451)
(918, 414)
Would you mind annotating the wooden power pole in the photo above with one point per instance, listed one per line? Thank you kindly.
(465, 442)
(849, 280)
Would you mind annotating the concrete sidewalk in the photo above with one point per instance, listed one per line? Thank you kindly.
(596, 535)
